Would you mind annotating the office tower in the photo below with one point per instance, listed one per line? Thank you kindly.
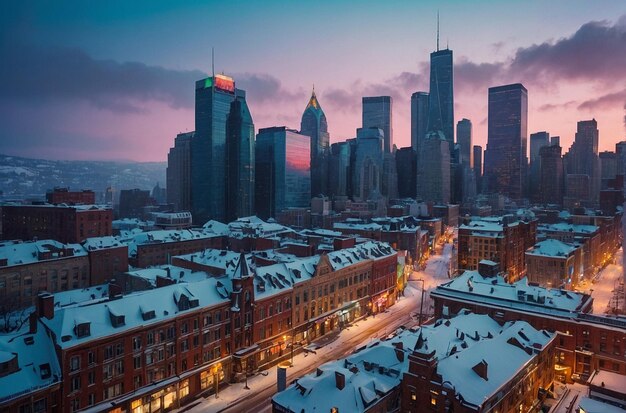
(209, 154)
(537, 141)
(505, 157)
(283, 171)
(133, 202)
(406, 165)
(339, 169)
(441, 97)
(582, 159)
(389, 179)
(620, 151)
(608, 165)
(368, 165)
(240, 156)
(464, 140)
(555, 141)
(419, 119)
(377, 113)
(179, 172)
(433, 169)
(550, 175)
(478, 167)
(314, 125)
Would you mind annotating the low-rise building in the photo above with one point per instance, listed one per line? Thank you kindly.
(554, 264)
(108, 257)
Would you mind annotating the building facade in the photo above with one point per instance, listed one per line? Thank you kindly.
(377, 113)
(179, 172)
(441, 96)
(315, 126)
(419, 118)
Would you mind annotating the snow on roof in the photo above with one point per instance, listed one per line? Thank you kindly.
(368, 250)
(253, 225)
(163, 236)
(271, 280)
(482, 225)
(588, 405)
(358, 226)
(519, 295)
(171, 272)
(20, 253)
(223, 259)
(302, 269)
(215, 227)
(321, 232)
(608, 380)
(135, 310)
(81, 295)
(503, 356)
(565, 227)
(552, 248)
(37, 362)
(98, 243)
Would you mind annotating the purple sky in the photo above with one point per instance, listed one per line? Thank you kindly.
(115, 80)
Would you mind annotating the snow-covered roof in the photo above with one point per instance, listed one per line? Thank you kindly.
(565, 227)
(215, 227)
(482, 225)
(552, 248)
(112, 317)
(37, 362)
(164, 236)
(255, 226)
(608, 380)
(20, 253)
(172, 272)
(222, 259)
(358, 226)
(81, 295)
(98, 243)
(595, 406)
(271, 280)
(371, 250)
(471, 286)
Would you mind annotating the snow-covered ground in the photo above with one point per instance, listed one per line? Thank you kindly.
(348, 340)
(603, 288)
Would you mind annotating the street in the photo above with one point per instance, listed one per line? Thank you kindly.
(234, 398)
(607, 289)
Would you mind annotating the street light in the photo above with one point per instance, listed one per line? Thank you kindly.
(216, 371)
(285, 339)
(421, 301)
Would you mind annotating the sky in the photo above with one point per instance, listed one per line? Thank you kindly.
(114, 80)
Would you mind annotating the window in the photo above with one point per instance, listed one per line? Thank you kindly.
(91, 357)
(183, 390)
(137, 362)
(91, 400)
(74, 363)
(113, 391)
(108, 352)
(184, 345)
(208, 320)
(150, 338)
(74, 405)
(91, 378)
(184, 329)
(136, 343)
(75, 383)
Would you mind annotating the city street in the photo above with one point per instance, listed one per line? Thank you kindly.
(607, 289)
(234, 398)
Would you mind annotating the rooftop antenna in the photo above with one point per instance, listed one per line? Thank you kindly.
(437, 30)
(213, 62)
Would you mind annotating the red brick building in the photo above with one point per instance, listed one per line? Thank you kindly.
(585, 342)
(65, 196)
(67, 224)
(27, 268)
(108, 257)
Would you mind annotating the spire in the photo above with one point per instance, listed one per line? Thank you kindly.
(213, 62)
(242, 270)
(313, 101)
(437, 30)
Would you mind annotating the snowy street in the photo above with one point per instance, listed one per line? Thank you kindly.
(608, 288)
(234, 398)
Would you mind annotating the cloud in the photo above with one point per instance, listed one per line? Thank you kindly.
(553, 106)
(262, 87)
(604, 102)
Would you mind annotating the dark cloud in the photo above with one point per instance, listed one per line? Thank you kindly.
(263, 87)
(476, 76)
(33, 74)
(604, 102)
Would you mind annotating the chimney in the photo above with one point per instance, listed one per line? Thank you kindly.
(45, 305)
(115, 291)
(32, 322)
(340, 380)
(481, 370)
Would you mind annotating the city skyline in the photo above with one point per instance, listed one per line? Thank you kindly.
(116, 81)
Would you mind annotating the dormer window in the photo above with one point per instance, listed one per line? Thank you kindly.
(82, 329)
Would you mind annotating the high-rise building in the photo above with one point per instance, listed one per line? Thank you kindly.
(283, 171)
(505, 157)
(433, 169)
(209, 153)
(419, 119)
(582, 159)
(478, 166)
(537, 141)
(441, 97)
(339, 169)
(406, 165)
(314, 125)
(377, 113)
(179, 172)
(555, 141)
(464, 140)
(389, 179)
(608, 165)
(240, 155)
(368, 165)
(550, 175)
(620, 151)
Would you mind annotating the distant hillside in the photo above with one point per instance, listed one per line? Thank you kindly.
(30, 178)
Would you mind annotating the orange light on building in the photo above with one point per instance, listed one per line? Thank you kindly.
(225, 83)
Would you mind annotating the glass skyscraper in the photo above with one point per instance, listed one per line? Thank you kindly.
(441, 97)
(464, 139)
(179, 172)
(209, 154)
(314, 125)
(505, 157)
(283, 170)
(419, 119)
(377, 113)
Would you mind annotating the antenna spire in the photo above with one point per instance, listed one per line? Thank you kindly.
(437, 30)
(213, 61)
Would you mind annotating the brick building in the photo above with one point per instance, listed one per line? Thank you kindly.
(585, 342)
(67, 224)
(65, 196)
(108, 257)
(26, 268)
(588, 236)
(554, 264)
(500, 239)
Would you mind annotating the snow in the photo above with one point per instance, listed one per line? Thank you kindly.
(552, 248)
(18, 170)
(38, 364)
(98, 243)
(369, 250)
(565, 227)
(609, 380)
(588, 405)
(223, 260)
(81, 296)
(163, 236)
(171, 272)
(20, 253)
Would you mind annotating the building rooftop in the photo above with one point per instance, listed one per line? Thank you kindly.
(368, 250)
(99, 243)
(552, 248)
(163, 236)
(20, 253)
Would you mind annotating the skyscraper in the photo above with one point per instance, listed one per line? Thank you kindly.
(240, 155)
(406, 165)
(377, 113)
(478, 167)
(368, 165)
(582, 157)
(419, 119)
(283, 170)
(179, 172)
(505, 157)
(550, 175)
(464, 140)
(314, 125)
(339, 169)
(537, 141)
(433, 169)
(209, 154)
(441, 97)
